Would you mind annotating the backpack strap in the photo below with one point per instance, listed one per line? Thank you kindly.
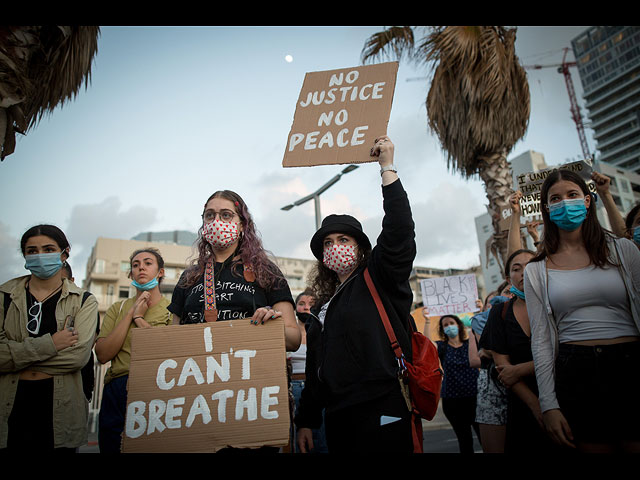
(395, 346)
(6, 302)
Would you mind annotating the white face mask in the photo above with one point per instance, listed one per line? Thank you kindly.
(219, 234)
(340, 258)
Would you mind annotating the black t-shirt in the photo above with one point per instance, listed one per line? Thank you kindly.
(48, 322)
(235, 296)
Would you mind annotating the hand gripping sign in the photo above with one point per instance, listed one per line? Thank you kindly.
(203, 387)
(339, 114)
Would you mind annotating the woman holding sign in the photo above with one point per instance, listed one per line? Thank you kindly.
(583, 298)
(232, 277)
(47, 329)
(147, 309)
(351, 370)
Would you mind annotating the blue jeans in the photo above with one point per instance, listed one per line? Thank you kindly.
(112, 414)
(319, 441)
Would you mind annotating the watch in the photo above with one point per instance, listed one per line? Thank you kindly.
(388, 168)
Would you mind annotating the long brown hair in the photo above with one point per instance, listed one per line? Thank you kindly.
(593, 235)
(249, 253)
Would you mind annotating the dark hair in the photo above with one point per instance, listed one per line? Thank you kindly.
(308, 292)
(495, 293)
(324, 281)
(628, 221)
(50, 231)
(507, 265)
(462, 333)
(250, 250)
(66, 268)
(155, 252)
(593, 235)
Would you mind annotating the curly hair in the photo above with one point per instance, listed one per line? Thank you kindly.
(462, 333)
(249, 252)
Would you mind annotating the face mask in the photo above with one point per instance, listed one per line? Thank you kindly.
(43, 265)
(145, 286)
(303, 316)
(220, 234)
(636, 235)
(340, 258)
(516, 292)
(451, 331)
(568, 214)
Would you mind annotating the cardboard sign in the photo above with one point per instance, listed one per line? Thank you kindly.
(339, 114)
(453, 295)
(199, 388)
(531, 183)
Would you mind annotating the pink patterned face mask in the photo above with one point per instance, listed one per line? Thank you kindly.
(340, 258)
(220, 234)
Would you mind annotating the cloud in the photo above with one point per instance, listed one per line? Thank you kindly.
(11, 260)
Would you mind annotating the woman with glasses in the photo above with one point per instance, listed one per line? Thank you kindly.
(148, 308)
(232, 278)
(47, 330)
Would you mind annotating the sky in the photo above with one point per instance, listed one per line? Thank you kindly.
(172, 114)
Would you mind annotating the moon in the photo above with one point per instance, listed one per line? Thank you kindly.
(288, 58)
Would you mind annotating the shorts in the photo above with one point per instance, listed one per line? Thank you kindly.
(598, 391)
(491, 403)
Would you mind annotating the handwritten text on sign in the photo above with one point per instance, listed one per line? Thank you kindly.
(531, 183)
(208, 386)
(339, 114)
(450, 295)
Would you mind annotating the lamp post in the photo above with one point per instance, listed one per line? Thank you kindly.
(316, 195)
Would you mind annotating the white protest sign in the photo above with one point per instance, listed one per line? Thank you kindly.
(452, 295)
(199, 388)
(531, 183)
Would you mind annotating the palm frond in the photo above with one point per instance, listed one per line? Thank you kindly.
(393, 42)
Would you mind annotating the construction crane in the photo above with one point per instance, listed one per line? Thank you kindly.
(575, 109)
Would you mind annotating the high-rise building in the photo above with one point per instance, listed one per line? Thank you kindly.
(608, 61)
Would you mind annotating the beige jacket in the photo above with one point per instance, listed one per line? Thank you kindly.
(19, 351)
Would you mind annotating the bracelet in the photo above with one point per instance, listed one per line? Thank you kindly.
(388, 168)
(138, 317)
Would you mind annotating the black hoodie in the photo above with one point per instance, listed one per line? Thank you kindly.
(349, 359)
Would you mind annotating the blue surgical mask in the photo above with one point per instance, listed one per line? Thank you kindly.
(43, 265)
(636, 235)
(145, 286)
(568, 214)
(451, 331)
(518, 293)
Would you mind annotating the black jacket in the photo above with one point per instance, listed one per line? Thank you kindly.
(350, 360)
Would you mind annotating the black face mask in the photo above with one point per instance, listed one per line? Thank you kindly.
(303, 316)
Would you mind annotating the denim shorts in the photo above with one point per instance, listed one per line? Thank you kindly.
(598, 390)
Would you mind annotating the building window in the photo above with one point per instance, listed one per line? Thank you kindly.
(99, 266)
(124, 292)
(124, 266)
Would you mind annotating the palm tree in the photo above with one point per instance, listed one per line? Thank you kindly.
(477, 105)
(41, 67)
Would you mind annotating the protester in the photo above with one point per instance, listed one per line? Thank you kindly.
(460, 362)
(232, 277)
(584, 302)
(511, 346)
(47, 329)
(603, 184)
(491, 400)
(304, 302)
(632, 224)
(147, 309)
(351, 370)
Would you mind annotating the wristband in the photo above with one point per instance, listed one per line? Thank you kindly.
(138, 317)
(388, 168)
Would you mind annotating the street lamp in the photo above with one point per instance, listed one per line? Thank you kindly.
(316, 195)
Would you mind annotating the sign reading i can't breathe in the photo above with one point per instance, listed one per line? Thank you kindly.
(203, 387)
(339, 114)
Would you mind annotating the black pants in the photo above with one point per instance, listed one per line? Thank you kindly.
(461, 413)
(380, 425)
(112, 415)
(31, 420)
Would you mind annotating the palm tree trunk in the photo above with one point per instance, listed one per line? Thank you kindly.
(495, 172)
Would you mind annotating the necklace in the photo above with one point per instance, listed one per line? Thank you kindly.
(46, 298)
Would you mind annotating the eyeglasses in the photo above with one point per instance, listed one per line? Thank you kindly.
(224, 215)
(33, 324)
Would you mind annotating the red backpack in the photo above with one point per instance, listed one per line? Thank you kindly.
(422, 378)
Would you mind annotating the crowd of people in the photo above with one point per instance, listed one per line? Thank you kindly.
(546, 365)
